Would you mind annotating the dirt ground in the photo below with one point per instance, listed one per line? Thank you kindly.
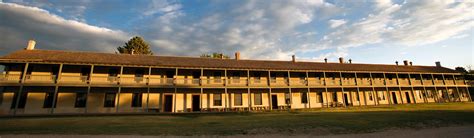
(442, 132)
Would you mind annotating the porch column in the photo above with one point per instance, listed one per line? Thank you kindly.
(20, 91)
(412, 89)
(446, 86)
(457, 89)
(424, 89)
(89, 80)
(119, 89)
(389, 97)
(55, 96)
(326, 89)
(308, 94)
(436, 89)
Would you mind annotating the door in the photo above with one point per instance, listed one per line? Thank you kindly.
(345, 99)
(394, 98)
(168, 106)
(408, 97)
(195, 103)
(274, 102)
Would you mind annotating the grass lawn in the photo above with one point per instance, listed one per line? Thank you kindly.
(311, 122)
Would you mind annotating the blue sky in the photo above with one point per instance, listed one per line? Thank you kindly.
(366, 31)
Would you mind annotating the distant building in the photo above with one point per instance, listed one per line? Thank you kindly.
(67, 82)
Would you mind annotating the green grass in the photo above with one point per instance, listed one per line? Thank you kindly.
(314, 121)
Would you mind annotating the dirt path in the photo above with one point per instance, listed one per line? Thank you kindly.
(442, 132)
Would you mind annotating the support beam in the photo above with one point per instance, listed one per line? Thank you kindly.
(412, 89)
(326, 89)
(20, 91)
(270, 99)
(308, 94)
(373, 89)
(424, 89)
(55, 96)
(446, 86)
(342, 88)
(226, 106)
(148, 89)
(436, 90)
(89, 80)
(119, 89)
(389, 97)
(457, 89)
(399, 88)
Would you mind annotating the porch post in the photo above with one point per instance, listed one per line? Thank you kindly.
(446, 86)
(55, 96)
(119, 90)
(389, 97)
(89, 80)
(20, 91)
(412, 89)
(424, 88)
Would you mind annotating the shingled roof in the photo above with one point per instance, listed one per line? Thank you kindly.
(74, 57)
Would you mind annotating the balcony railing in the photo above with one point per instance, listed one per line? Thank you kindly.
(187, 81)
(40, 78)
(391, 82)
(378, 82)
(363, 82)
(133, 80)
(258, 82)
(348, 82)
(10, 78)
(415, 82)
(298, 82)
(160, 81)
(333, 82)
(460, 82)
(73, 79)
(316, 81)
(427, 82)
(237, 82)
(279, 82)
(449, 82)
(403, 81)
(213, 82)
(438, 82)
(104, 79)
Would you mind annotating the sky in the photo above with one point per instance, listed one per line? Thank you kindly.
(366, 31)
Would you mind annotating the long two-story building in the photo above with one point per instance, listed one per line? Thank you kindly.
(69, 82)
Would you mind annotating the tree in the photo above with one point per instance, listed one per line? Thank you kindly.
(461, 70)
(215, 55)
(137, 45)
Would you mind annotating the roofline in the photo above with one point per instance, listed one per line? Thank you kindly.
(155, 66)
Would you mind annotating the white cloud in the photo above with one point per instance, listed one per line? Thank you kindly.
(336, 23)
(53, 32)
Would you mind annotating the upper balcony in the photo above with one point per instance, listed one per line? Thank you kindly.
(10, 78)
(258, 82)
(319, 81)
(133, 80)
(364, 82)
(237, 82)
(73, 79)
(279, 82)
(40, 78)
(157, 80)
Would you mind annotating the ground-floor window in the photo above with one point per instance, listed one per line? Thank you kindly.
(304, 97)
(258, 98)
(334, 96)
(357, 97)
(21, 102)
(238, 99)
(80, 100)
(383, 95)
(370, 96)
(319, 97)
(137, 99)
(109, 100)
(287, 98)
(48, 100)
(217, 99)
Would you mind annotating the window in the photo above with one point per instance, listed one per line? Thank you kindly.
(137, 99)
(109, 100)
(383, 95)
(258, 98)
(320, 97)
(217, 99)
(370, 96)
(334, 96)
(48, 100)
(418, 92)
(287, 98)
(357, 97)
(21, 103)
(238, 99)
(304, 97)
(80, 100)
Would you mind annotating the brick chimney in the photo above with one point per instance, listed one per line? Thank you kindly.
(237, 55)
(411, 63)
(396, 62)
(293, 58)
(31, 45)
(325, 60)
(438, 64)
(405, 62)
(350, 61)
(341, 60)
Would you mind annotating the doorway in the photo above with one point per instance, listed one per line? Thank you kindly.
(195, 103)
(408, 97)
(168, 106)
(345, 99)
(394, 98)
(274, 102)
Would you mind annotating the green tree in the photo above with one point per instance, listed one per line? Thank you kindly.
(215, 55)
(137, 45)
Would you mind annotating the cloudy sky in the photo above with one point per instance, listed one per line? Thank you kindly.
(366, 31)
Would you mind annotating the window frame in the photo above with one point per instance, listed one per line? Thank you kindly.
(110, 104)
(217, 102)
(80, 103)
(259, 101)
(137, 99)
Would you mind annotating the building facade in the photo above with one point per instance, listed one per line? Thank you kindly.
(39, 82)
